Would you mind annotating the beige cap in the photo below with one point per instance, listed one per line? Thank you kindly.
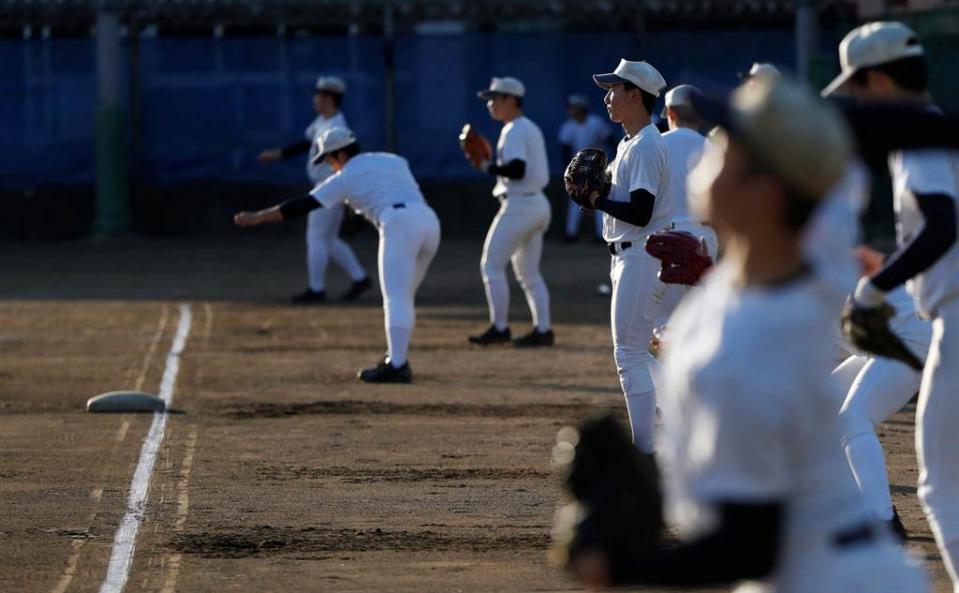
(331, 84)
(333, 139)
(800, 137)
(760, 70)
(506, 85)
(871, 45)
(641, 74)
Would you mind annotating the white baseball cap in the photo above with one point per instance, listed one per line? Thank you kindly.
(679, 96)
(760, 70)
(803, 139)
(506, 85)
(333, 139)
(331, 84)
(641, 74)
(873, 44)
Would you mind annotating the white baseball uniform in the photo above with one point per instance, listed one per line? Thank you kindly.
(641, 163)
(593, 132)
(684, 146)
(750, 418)
(516, 233)
(936, 293)
(323, 240)
(381, 187)
(876, 388)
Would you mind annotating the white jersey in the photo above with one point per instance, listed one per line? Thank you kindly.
(683, 148)
(833, 233)
(926, 172)
(751, 410)
(522, 139)
(370, 183)
(321, 171)
(641, 163)
(591, 132)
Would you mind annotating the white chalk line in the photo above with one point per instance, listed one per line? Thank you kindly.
(124, 543)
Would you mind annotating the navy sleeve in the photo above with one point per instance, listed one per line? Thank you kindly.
(880, 128)
(301, 147)
(938, 235)
(745, 545)
(515, 169)
(297, 207)
(638, 210)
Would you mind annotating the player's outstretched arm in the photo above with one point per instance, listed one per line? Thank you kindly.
(293, 208)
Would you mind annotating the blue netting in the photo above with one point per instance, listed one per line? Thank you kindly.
(208, 106)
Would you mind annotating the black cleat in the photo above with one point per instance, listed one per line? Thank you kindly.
(358, 288)
(898, 529)
(308, 297)
(535, 339)
(492, 336)
(384, 372)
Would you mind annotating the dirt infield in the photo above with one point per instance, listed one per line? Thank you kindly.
(279, 471)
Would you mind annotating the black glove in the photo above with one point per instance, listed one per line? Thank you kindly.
(586, 174)
(868, 330)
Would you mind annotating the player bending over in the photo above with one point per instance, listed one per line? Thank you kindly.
(755, 479)
(381, 187)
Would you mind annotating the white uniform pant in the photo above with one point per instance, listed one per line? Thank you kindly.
(516, 236)
(323, 243)
(409, 239)
(937, 436)
(637, 294)
(676, 292)
(574, 215)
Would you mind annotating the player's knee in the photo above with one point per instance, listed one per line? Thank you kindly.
(529, 279)
(853, 423)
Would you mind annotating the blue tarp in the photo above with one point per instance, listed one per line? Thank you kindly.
(207, 106)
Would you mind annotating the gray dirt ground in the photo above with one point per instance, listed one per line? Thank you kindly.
(282, 473)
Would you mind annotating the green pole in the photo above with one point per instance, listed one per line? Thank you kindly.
(112, 178)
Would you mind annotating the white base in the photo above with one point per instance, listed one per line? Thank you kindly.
(125, 402)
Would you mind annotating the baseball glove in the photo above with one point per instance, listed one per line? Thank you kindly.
(684, 256)
(475, 146)
(868, 330)
(586, 174)
(618, 505)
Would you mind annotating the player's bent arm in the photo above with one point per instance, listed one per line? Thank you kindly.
(293, 208)
(638, 210)
(937, 236)
(515, 169)
(745, 545)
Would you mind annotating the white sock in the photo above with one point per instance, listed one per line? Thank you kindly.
(869, 468)
(642, 419)
(497, 295)
(398, 341)
(537, 298)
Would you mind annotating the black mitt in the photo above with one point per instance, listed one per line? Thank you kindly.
(618, 508)
(868, 330)
(586, 174)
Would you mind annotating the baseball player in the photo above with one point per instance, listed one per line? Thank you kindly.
(516, 235)
(886, 62)
(758, 486)
(381, 187)
(323, 225)
(684, 146)
(581, 130)
(759, 71)
(638, 203)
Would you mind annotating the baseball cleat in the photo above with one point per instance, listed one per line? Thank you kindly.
(358, 288)
(308, 297)
(384, 372)
(535, 339)
(492, 336)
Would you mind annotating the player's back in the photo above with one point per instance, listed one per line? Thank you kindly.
(683, 147)
(751, 417)
(531, 148)
(373, 181)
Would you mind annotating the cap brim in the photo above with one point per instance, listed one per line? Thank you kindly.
(484, 94)
(837, 83)
(604, 81)
(318, 159)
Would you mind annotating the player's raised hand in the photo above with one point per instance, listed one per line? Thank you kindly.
(246, 219)
(273, 154)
